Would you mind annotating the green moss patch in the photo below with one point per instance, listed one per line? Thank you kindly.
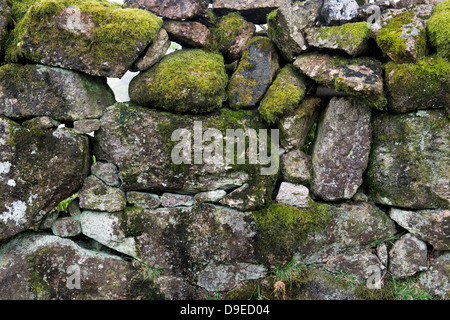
(438, 29)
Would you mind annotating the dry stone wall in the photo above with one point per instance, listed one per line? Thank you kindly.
(286, 150)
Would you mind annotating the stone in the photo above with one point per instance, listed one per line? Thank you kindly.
(407, 256)
(232, 33)
(252, 10)
(421, 85)
(95, 195)
(35, 91)
(284, 94)
(383, 254)
(74, 209)
(38, 169)
(438, 34)
(351, 38)
(436, 280)
(431, 226)
(154, 53)
(336, 12)
(257, 68)
(293, 195)
(409, 162)
(100, 39)
(86, 126)
(5, 15)
(107, 172)
(189, 34)
(361, 77)
(143, 199)
(66, 227)
(183, 81)
(341, 149)
(147, 165)
(361, 265)
(172, 9)
(296, 167)
(48, 220)
(403, 36)
(40, 123)
(172, 200)
(248, 197)
(45, 267)
(296, 126)
(212, 196)
(285, 26)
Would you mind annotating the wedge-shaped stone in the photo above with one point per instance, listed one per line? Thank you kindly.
(172, 9)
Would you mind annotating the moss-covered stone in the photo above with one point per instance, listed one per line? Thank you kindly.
(185, 81)
(438, 29)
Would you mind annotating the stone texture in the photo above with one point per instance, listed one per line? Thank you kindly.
(438, 34)
(154, 53)
(436, 280)
(296, 167)
(248, 197)
(293, 195)
(40, 123)
(143, 199)
(252, 10)
(107, 172)
(361, 77)
(409, 162)
(341, 149)
(432, 226)
(5, 13)
(96, 38)
(38, 169)
(95, 195)
(36, 90)
(87, 125)
(172, 9)
(66, 227)
(189, 34)
(212, 196)
(336, 12)
(172, 200)
(360, 265)
(407, 256)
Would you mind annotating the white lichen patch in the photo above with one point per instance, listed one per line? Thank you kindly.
(11, 183)
(5, 167)
(15, 213)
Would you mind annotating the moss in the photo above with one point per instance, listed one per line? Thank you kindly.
(347, 35)
(19, 8)
(281, 229)
(274, 30)
(283, 96)
(132, 221)
(379, 102)
(438, 29)
(224, 34)
(114, 36)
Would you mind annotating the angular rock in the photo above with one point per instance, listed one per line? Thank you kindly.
(96, 38)
(341, 149)
(147, 165)
(257, 68)
(66, 227)
(409, 161)
(40, 123)
(5, 13)
(172, 9)
(296, 167)
(232, 33)
(38, 169)
(46, 267)
(95, 195)
(154, 53)
(438, 33)
(35, 90)
(143, 199)
(436, 280)
(407, 256)
(337, 12)
(432, 226)
(172, 200)
(47, 222)
(248, 197)
(361, 265)
(421, 85)
(252, 10)
(383, 254)
(189, 34)
(107, 172)
(185, 81)
(351, 38)
(361, 77)
(287, 24)
(296, 126)
(74, 208)
(293, 195)
(284, 94)
(87, 125)
(209, 196)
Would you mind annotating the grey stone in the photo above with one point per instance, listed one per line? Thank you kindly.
(248, 197)
(293, 195)
(95, 195)
(172, 200)
(86, 125)
(335, 12)
(40, 123)
(74, 208)
(5, 14)
(407, 256)
(212, 196)
(172, 9)
(107, 172)
(66, 227)
(362, 265)
(252, 10)
(436, 280)
(296, 167)
(188, 34)
(154, 53)
(143, 199)
(48, 220)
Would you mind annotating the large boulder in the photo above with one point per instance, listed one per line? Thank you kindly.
(38, 169)
(37, 90)
(96, 37)
(341, 149)
(186, 81)
(409, 162)
(172, 9)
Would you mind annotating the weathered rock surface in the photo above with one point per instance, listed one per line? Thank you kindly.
(252, 10)
(362, 265)
(97, 38)
(407, 256)
(409, 162)
(436, 280)
(336, 12)
(36, 90)
(40, 123)
(143, 199)
(172, 200)
(432, 226)
(44, 267)
(66, 227)
(257, 68)
(5, 13)
(248, 197)
(95, 195)
(28, 187)
(361, 77)
(184, 81)
(107, 172)
(154, 53)
(86, 126)
(172, 9)
(341, 149)
(295, 195)
(212, 196)
(189, 34)
(296, 167)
